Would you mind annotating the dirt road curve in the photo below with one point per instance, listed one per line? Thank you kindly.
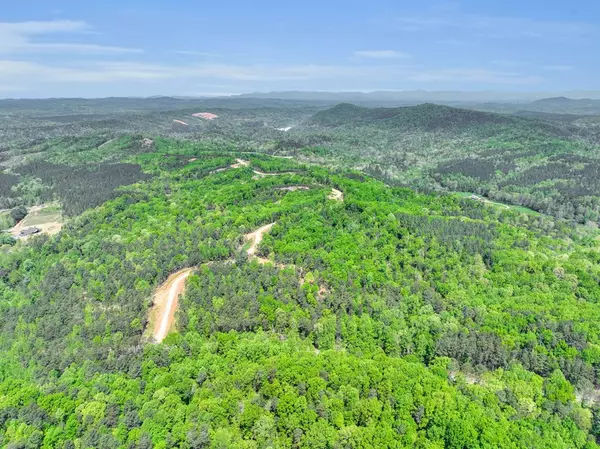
(165, 303)
(166, 298)
(256, 237)
(240, 163)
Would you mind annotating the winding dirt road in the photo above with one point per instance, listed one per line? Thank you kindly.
(256, 237)
(262, 173)
(166, 297)
(165, 303)
(240, 163)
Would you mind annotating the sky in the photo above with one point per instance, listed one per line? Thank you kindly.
(73, 48)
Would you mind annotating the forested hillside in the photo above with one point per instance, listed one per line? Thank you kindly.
(380, 318)
(550, 166)
(544, 161)
(578, 106)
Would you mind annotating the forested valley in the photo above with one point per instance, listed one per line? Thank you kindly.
(400, 313)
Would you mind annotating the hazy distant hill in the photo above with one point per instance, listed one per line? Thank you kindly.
(419, 96)
(548, 116)
(112, 105)
(566, 105)
(426, 118)
(564, 101)
(543, 161)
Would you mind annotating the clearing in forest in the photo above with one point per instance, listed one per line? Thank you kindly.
(262, 173)
(484, 200)
(256, 237)
(293, 188)
(336, 195)
(46, 217)
(205, 115)
(240, 163)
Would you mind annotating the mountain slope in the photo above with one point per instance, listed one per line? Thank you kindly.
(424, 117)
(550, 167)
(566, 105)
(386, 319)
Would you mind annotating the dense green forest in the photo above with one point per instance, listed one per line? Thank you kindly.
(389, 319)
(542, 156)
(401, 314)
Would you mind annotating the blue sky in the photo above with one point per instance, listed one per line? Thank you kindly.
(115, 47)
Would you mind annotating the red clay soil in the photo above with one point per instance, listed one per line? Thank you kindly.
(205, 115)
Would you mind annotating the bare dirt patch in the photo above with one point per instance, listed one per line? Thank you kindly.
(256, 237)
(147, 142)
(336, 195)
(262, 173)
(205, 115)
(293, 188)
(240, 163)
(46, 217)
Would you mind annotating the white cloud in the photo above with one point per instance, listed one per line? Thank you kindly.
(100, 72)
(381, 54)
(532, 66)
(558, 68)
(476, 76)
(76, 48)
(503, 27)
(33, 28)
(20, 38)
(454, 42)
(194, 53)
(21, 73)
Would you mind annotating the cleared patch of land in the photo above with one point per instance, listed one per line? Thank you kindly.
(262, 173)
(240, 163)
(293, 188)
(46, 217)
(256, 237)
(336, 195)
(205, 115)
(484, 200)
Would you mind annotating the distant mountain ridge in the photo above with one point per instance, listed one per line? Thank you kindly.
(424, 117)
(421, 96)
(565, 101)
(584, 106)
